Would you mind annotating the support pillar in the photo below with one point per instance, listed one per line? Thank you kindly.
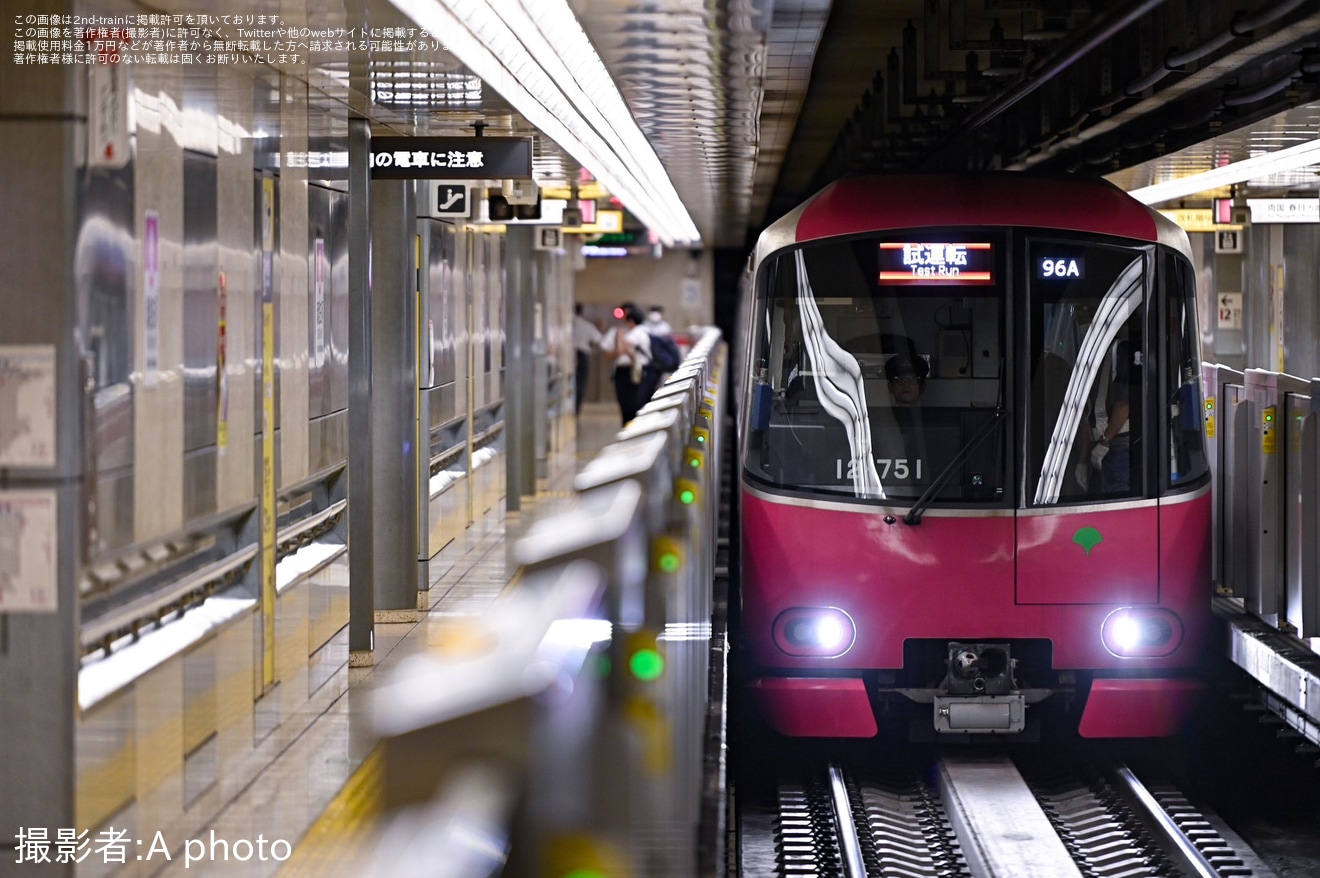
(42, 488)
(361, 543)
(393, 422)
(521, 366)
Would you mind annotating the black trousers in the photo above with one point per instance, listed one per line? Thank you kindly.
(632, 396)
(583, 374)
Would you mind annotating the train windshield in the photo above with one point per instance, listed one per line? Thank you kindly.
(882, 369)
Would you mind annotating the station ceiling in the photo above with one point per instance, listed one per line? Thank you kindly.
(1063, 86)
(752, 105)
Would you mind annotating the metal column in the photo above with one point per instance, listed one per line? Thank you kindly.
(361, 548)
(393, 422)
(41, 471)
(521, 370)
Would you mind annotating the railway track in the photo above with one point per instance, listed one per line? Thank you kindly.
(982, 817)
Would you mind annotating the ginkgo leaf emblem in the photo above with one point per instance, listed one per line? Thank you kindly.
(1088, 538)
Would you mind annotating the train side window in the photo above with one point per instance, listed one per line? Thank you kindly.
(1187, 462)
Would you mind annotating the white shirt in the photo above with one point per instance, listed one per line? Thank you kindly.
(585, 334)
(637, 337)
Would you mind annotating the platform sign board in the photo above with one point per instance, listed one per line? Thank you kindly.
(451, 158)
(1284, 210)
(1230, 310)
(451, 199)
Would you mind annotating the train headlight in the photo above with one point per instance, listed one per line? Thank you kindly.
(1141, 632)
(825, 632)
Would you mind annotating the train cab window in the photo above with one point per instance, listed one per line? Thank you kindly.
(875, 385)
(1085, 421)
(1187, 462)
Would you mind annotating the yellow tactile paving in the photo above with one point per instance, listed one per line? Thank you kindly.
(335, 839)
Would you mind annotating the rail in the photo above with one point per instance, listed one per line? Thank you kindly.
(975, 815)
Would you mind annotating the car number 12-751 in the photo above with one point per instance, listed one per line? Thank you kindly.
(901, 468)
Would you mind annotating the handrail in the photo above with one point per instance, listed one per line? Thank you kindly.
(149, 604)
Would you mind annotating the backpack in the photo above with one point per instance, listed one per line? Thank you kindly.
(664, 353)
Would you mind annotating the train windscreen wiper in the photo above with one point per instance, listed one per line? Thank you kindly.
(913, 515)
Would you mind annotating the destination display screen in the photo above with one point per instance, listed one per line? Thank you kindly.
(942, 263)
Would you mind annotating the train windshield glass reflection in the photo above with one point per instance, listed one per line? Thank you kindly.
(885, 362)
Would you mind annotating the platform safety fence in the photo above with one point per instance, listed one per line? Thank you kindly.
(561, 733)
(1261, 431)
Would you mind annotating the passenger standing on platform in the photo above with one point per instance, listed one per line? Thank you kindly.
(586, 335)
(629, 344)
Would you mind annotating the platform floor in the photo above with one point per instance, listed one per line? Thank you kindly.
(318, 793)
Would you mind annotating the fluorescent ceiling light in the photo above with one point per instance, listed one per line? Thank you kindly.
(535, 54)
(1276, 162)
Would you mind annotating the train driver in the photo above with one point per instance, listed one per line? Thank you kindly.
(906, 374)
(1111, 453)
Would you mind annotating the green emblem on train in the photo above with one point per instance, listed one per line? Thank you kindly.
(1088, 538)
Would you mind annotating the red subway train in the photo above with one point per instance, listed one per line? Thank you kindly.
(974, 488)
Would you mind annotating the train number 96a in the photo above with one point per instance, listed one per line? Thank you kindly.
(1059, 268)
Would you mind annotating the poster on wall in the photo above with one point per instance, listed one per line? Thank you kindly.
(691, 292)
(27, 406)
(28, 575)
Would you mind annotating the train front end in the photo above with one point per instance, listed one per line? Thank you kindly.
(974, 487)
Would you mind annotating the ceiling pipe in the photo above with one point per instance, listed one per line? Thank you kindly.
(1065, 57)
(1241, 26)
(1298, 30)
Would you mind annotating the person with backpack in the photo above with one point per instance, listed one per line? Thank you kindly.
(664, 350)
(629, 344)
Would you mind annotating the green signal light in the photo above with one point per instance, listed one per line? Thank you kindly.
(701, 440)
(695, 463)
(647, 665)
(687, 496)
(668, 562)
(1269, 418)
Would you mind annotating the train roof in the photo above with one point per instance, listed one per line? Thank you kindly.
(876, 203)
